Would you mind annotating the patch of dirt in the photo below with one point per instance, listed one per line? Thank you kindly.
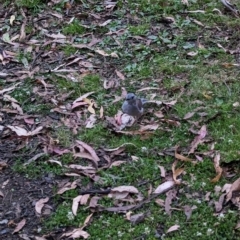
(18, 202)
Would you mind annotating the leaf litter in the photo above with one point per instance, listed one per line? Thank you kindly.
(82, 113)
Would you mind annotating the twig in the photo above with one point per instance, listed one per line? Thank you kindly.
(35, 59)
(230, 7)
(95, 191)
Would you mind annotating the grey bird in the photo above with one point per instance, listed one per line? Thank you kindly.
(133, 105)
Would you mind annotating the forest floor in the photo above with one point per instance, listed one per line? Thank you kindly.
(72, 165)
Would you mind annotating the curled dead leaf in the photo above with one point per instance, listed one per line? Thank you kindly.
(235, 187)
(182, 158)
(40, 203)
(76, 233)
(22, 132)
(67, 186)
(171, 194)
(87, 220)
(188, 211)
(12, 18)
(163, 171)
(75, 204)
(83, 150)
(80, 99)
(120, 75)
(176, 172)
(198, 139)
(91, 121)
(217, 167)
(101, 112)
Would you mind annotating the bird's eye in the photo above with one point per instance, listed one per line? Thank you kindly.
(132, 97)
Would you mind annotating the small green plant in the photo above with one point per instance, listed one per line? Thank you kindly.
(69, 50)
(138, 30)
(24, 58)
(28, 3)
(37, 169)
(91, 83)
(74, 28)
(63, 135)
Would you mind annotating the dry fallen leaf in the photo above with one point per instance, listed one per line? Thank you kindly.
(173, 228)
(217, 167)
(164, 187)
(83, 150)
(198, 22)
(176, 172)
(56, 36)
(188, 211)
(182, 158)
(234, 188)
(101, 112)
(82, 200)
(198, 139)
(90, 105)
(163, 171)
(40, 203)
(67, 186)
(160, 202)
(120, 209)
(2, 165)
(8, 89)
(219, 203)
(75, 204)
(40, 238)
(185, 2)
(171, 194)
(87, 220)
(12, 18)
(137, 218)
(188, 115)
(149, 127)
(94, 202)
(103, 53)
(76, 233)
(192, 53)
(129, 189)
(91, 121)
(120, 75)
(117, 163)
(22, 132)
(119, 149)
(118, 195)
(55, 161)
(19, 226)
(86, 170)
(34, 158)
(238, 225)
(80, 99)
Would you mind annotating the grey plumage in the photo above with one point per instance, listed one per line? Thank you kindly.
(133, 105)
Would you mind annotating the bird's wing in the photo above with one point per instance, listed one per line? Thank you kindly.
(139, 104)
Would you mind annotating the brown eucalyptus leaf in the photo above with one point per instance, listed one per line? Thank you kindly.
(19, 226)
